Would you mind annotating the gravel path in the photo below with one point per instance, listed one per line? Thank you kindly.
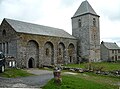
(41, 78)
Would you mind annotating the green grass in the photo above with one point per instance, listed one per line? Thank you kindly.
(103, 79)
(106, 66)
(88, 80)
(13, 73)
(77, 82)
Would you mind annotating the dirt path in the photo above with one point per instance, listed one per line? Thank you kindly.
(41, 78)
(38, 71)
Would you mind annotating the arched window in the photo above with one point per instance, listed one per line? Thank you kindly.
(59, 51)
(79, 23)
(47, 52)
(94, 22)
(71, 53)
(4, 33)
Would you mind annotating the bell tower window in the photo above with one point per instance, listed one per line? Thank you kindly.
(94, 22)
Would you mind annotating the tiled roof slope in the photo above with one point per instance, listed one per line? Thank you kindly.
(111, 45)
(25, 27)
(84, 8)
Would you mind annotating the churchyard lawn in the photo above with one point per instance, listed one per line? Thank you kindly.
(87, 80)
(13, 73)
(84, 81)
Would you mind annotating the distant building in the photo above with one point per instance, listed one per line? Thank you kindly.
(32, 45)
(109, 51)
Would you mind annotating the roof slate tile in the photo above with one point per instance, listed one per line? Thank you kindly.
(25, 27)
(84, 8)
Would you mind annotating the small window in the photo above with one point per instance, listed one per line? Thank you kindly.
(4, 33)
(112, 57)
(94, 22)
(59, 51)
(119, 57)
(119, 51)
(47, 51)
(112, 51)
(94, 37)
(79, 23)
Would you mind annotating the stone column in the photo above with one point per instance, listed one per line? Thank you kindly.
(55, 54)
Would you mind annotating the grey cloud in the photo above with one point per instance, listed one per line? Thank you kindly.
(67, 2)
(113, 39)
(20, 10)
(112, 14)
(116, 39)
(115, 17)
(1, 1)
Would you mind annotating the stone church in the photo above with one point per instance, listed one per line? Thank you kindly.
(32, 45)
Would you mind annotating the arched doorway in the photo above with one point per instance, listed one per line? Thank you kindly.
(31, 63)
(71, 53)
(32, 54)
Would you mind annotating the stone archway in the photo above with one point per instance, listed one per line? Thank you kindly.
(71, 53)
(61, 53)
(48, 53)
(31, 63)
(32, 53)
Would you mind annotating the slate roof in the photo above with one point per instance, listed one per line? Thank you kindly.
(85, 8)
(25, 27)
(111, 45)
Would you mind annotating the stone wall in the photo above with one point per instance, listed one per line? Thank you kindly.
(82, 34)
(88, 36)
(94, 39)
(45, 43)
(104, 53)
(8, 40)
(23, 46)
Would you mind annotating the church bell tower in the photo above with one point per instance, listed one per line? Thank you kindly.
(85, 27)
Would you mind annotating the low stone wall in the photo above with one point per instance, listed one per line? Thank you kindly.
(81, 70)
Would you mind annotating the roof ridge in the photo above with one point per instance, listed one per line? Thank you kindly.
(87, 6)
(110, 42)
(111, 45)
(32, 23)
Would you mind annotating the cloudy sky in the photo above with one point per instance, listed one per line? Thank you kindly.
(58, 13)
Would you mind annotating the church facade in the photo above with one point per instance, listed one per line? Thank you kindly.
(33, 45)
